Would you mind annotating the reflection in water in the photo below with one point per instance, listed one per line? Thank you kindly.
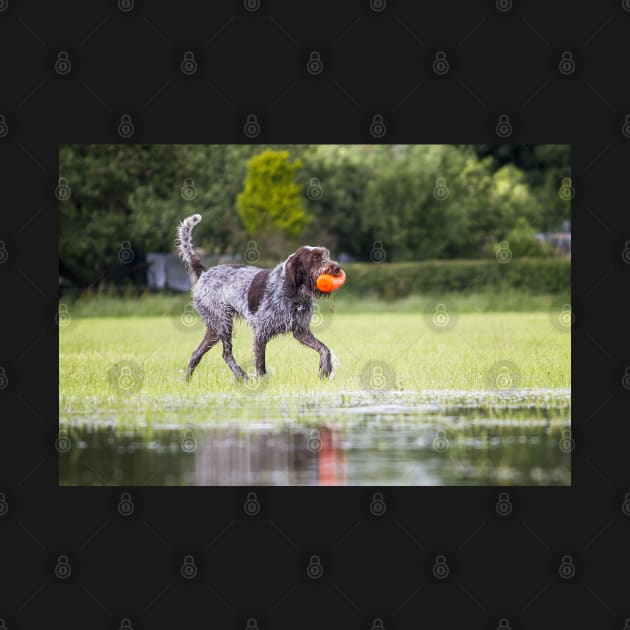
(370, 451)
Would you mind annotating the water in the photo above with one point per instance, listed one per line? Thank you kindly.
(373, 443)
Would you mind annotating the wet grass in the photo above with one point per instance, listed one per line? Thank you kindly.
(129, 370)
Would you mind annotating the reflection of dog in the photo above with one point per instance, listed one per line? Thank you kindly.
(273, 301)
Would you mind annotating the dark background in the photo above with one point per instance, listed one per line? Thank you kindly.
(374, 63)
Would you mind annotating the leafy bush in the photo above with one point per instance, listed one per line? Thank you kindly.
(418, 201)
(272, 201)
(521, 241)
(398, 280)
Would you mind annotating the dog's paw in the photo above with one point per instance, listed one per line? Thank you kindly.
(335, 363)
(327, 367)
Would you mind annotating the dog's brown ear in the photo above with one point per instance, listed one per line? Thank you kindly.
(295, 272)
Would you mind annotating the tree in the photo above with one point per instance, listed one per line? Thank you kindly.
(544, 166)
(95, 221)
(336, 179)
(271, 205)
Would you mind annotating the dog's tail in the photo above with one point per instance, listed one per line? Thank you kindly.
(185, 247)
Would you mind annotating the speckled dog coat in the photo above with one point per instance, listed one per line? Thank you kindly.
(273, 301)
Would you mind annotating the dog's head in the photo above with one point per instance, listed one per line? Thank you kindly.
(304, 266)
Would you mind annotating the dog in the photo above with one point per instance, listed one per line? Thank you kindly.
(272, 301)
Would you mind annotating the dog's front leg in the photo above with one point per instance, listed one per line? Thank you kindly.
(306, 337)
(260, 344)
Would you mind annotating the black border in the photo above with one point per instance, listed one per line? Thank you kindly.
(374, 63)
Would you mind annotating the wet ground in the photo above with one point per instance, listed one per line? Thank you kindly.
(382, 439)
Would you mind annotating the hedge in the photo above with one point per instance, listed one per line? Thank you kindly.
(396, 280)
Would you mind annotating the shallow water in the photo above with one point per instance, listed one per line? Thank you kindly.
(379, 440)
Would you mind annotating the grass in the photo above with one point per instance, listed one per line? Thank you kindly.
(129, 368)
(102, 304)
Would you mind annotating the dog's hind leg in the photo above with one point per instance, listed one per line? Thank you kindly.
(209, 340)
(228, 357)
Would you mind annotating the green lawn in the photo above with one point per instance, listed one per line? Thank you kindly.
(130, 369)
